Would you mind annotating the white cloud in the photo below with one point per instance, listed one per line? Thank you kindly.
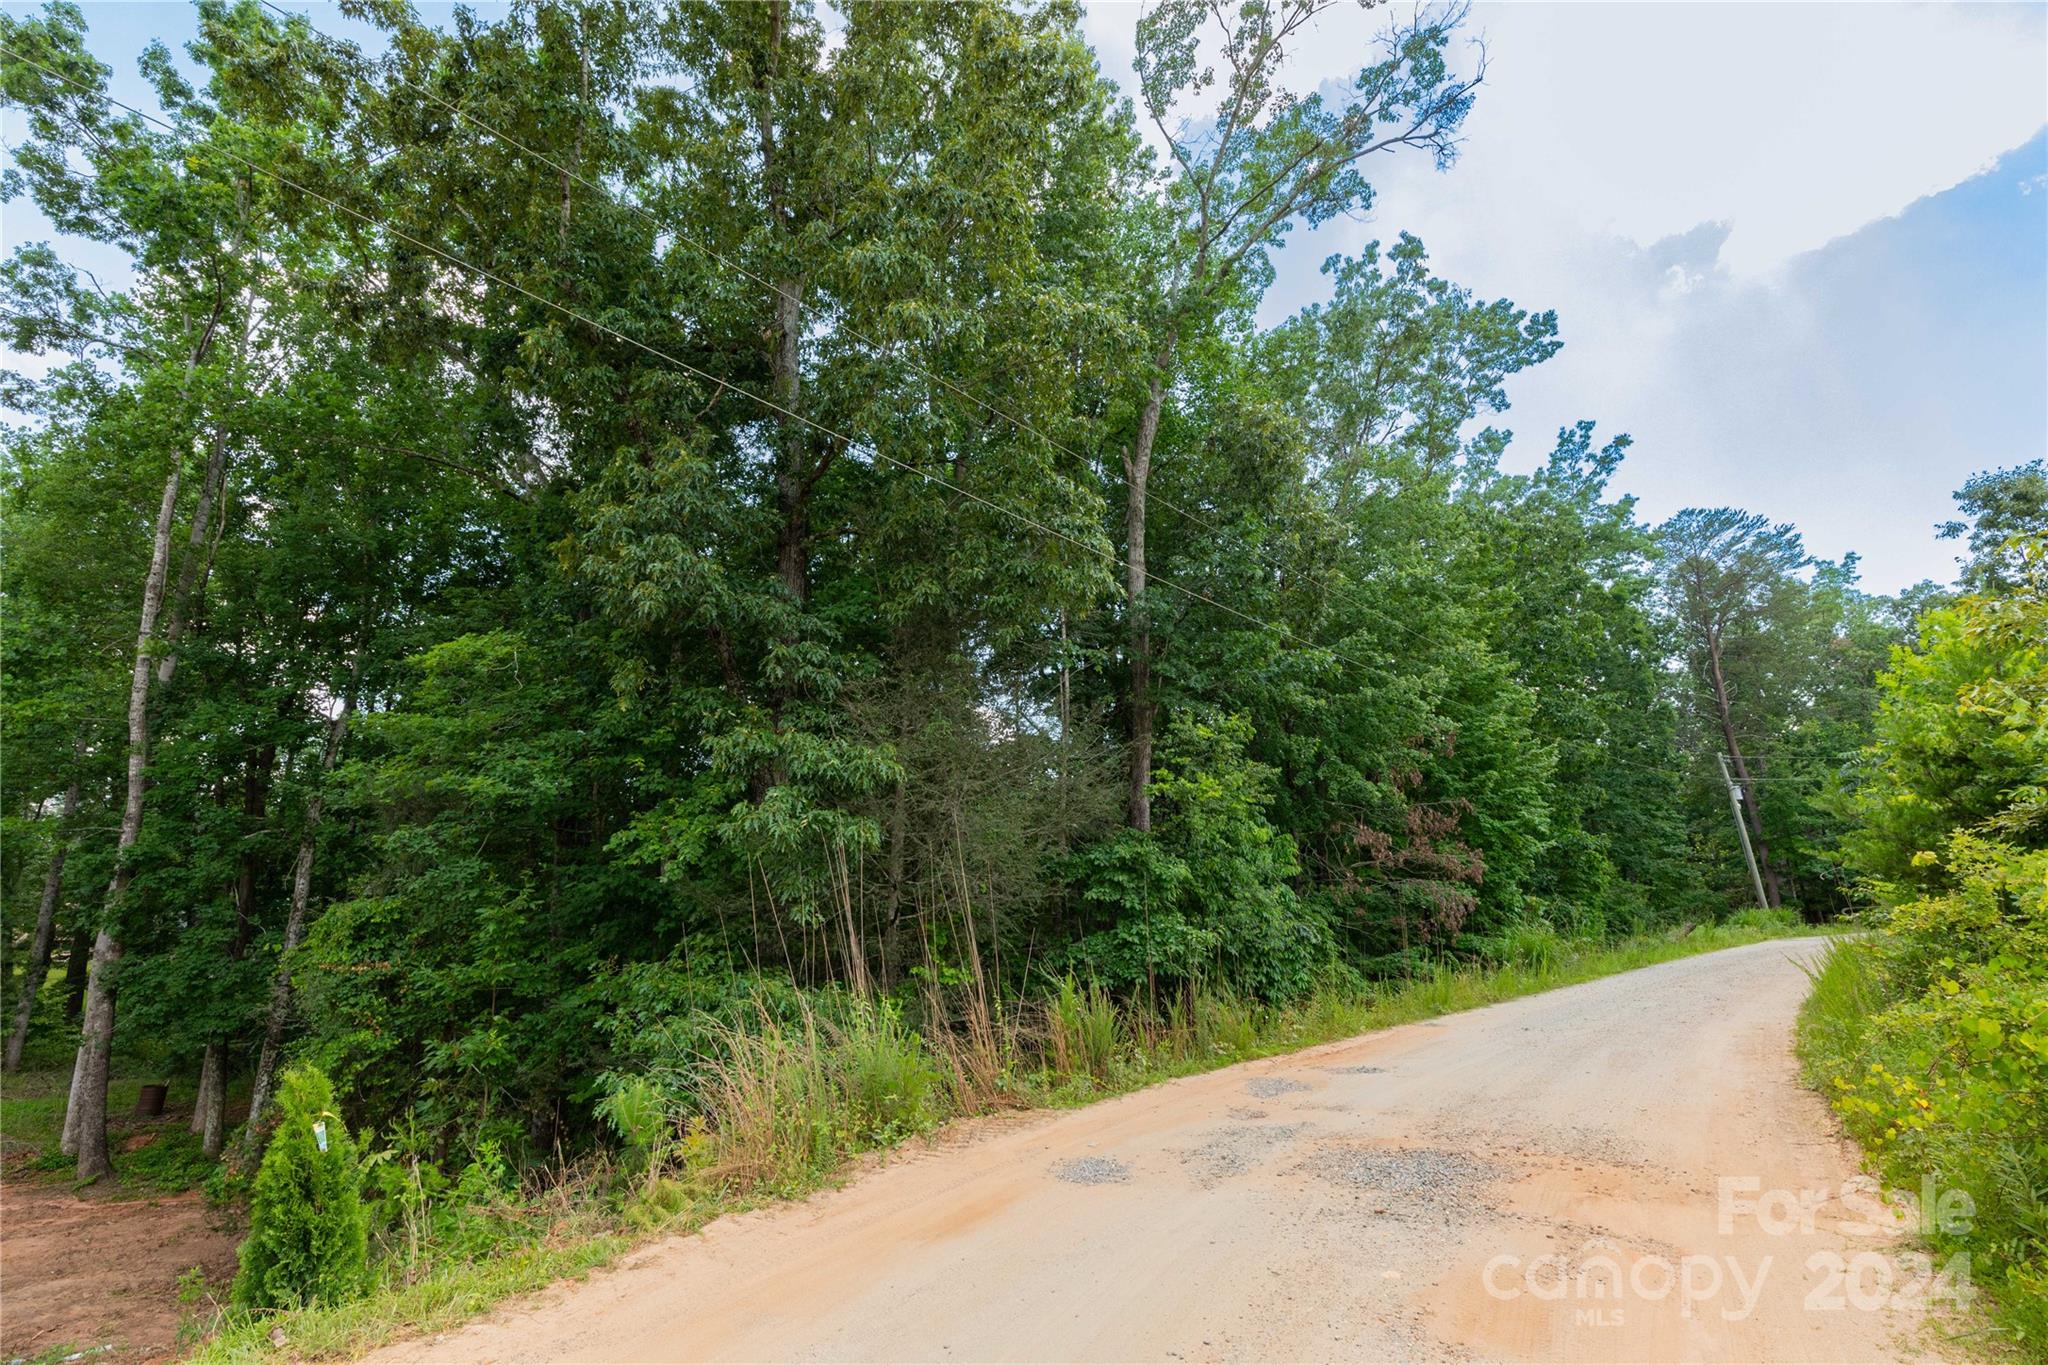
(1796, 124)
(1666, 176)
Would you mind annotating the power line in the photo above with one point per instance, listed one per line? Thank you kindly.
(874, 453)
(848, 442)
(576, 175)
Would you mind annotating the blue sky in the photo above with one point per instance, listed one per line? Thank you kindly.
(1800, 252)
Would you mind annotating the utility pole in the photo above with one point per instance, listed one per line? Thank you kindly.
(1736, 796)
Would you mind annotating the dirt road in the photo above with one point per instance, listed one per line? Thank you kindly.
(1582, 1175)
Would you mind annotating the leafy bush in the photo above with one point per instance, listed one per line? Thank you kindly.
(1208, 895)
(1144, 954)
(634, 1108)
(887, 1077)
(1776, 920)
(1931, 1037)
(1083, 1032)
(308, 1229)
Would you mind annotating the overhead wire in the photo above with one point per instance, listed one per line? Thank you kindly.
(849, 443)
(1408, 631)
(868, 448)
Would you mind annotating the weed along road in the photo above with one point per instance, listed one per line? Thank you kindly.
(1623, 1170)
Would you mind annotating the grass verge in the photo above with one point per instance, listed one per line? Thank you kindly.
(1945, 1104)
(804, 1098)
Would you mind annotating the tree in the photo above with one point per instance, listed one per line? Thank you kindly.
(1235, 187)
(644, 522)
(1729, 576)
(309, 1230)
(1781, 653)
(2005, 507)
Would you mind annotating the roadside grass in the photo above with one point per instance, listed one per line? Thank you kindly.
(1225, 1031)
(449, 1296)
(799, 1101)
(1928, 1106)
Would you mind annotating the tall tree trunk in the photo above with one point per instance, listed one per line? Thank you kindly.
(209, 1111)
(85, 1119)
(572, 172)
(85, 1114)
(793, 463)
(46, 932)
(792, 499)
(209, 1066)
(794, 476)
(279, 1013)
(1752, 803)
(1137, 479)
(209, 1076)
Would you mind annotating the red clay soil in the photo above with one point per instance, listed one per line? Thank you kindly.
(89, 1270)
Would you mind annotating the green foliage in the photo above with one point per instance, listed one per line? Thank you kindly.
(1929, 1036)
(308, 1239)
(634, 1108)
(2006, 508)
(888, 1080)
(1209, 894)
(1781, 654)
(1083, 1031)
(1764, 921)
(743, 685)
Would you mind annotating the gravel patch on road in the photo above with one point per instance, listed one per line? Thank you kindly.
(1272, 1087)
(1355, 1070)
(1091, 1170)
(1236, 1149)
(1425, 1182)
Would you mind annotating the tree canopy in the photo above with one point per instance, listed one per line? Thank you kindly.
(627, 499)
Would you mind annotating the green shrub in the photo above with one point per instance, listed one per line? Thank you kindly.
(1226, 1024)
(1777, 920)
(1083, 1032)
(888, 1078)
(1523, 942)
(308, 1229)
(637, 1112)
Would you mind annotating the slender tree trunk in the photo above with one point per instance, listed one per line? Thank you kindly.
(1752, 802)
(1137, 478)
(85, 1120)
(85, 1115)
(892, 918)
(209, 1113)
(209, 1065)
(76, 964)
(198, 558)
(45, 933)
(572, 171)
(785, 334)
(793, 464)
(295, 925)
(792, 499)
(785, 337)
